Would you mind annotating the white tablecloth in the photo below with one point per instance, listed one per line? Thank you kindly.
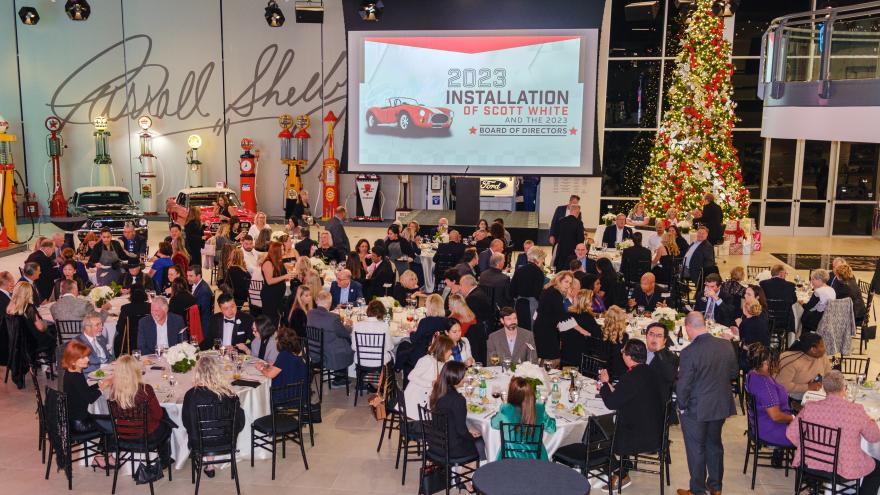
(109, 324)
(569, 428)
(612, 254)
(254, 402)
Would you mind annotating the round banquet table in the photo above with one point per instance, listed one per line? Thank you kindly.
(520, 477)
(109, 324)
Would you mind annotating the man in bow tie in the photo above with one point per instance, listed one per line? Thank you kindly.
(231, 326)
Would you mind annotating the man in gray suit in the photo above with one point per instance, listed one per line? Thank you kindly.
(338, 354)
(71, 307)
(93, 336)
(512, 342)
(337, 231)
(705, 400)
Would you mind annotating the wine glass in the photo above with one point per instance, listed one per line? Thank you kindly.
(547, 367)
(218, 343)
(494, 359)
(136, 354)
(505, 364)
(641, 310)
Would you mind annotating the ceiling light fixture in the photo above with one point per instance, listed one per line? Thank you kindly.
(77, 10)
(274, 16)
(29, 15)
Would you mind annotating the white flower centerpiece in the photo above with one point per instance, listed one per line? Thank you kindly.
(531, 372)
(666, 317)
(102, 294)
(609, 218)
(182, 357)
(318, 264)
(684, 226)
(626, 243)
(389, 302)
(277, 235)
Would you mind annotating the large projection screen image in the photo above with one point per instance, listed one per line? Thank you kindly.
(477, 102)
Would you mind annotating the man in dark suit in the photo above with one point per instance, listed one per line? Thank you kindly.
(337, 231)
(640, 404)
(699, 257)
(523, 257)
(44, 256)
(161, 328)
(450, 252)
(776, 287)
(713, 219)
(570, 233)
(484, 312)
(617, 232)
(305, 246)
(496, 246)
(496, 280)
(581, 255)
(31, 273)
(705, 400)
(710, 304)
(201, 292)
(661, 360)
(7, 285)
(646, 294)
(231, 326)
(381, 279)
(345, 290)
(338, 354)
(468, 264)
(561, 212)
(635, 260)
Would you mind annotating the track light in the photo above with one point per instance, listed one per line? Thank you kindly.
(274, 16)
(77, 10)
(29, 15)
(370, 10)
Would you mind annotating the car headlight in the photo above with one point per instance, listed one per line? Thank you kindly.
(142, 222)
(421, 113)
(97, 224)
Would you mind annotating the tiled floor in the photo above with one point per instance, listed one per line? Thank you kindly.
(344, 459)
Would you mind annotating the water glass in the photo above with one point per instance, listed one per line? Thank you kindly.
(136, 355)
(505, 365)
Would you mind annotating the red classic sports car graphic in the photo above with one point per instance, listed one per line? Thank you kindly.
(205, 197)
(408, 113)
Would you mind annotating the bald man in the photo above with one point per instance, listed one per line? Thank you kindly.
(496, 246)
(646, 295)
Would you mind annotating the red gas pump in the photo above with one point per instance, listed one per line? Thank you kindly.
(55, 148)
(330, 172)
(247, 163)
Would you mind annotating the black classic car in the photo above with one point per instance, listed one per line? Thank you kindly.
(106, 206)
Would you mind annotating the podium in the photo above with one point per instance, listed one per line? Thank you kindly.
(467, 200)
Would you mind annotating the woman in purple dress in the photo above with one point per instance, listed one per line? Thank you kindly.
(771, 399)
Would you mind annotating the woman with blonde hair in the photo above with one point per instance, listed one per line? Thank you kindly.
(637, 217)
(845, 284)
(23, 319)
(129, 393)
(179, 254)
(434, 322)
(303, 302)
(614, 337)
(585, 335)
(552, 317)
(237, 277)
(259, 225)
(732, 289)
(275, 278)
(752, 327)
(406, 288)
(210, 388)
(671, 217)
(314, 282)
(459, 310)
(664, 258)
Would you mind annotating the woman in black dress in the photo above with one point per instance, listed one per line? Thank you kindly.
(181, 298)
(664, 259)
(25, 326)
(68, 272)
(194, 233)
(221, 208)
(613, 292)
(446, 400)
(586, 336)
(238, 278)
(275, 278)
(614, 337)
(551, 312)
(302, 304)
(80, 395)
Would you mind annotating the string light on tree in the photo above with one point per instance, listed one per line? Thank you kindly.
(693, 151)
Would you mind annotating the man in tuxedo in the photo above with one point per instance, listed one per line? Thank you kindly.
(233, 327)
(660, 359)
(635, 260)
(93, 336)
(484, 312)
(712, 218)
(617, 232)
(711, 305)
(71, 307)
(570, 233)
(468, 264)
(561, 212)
(7, 285)
(776, 287)
(161, 328)
(646, 294)
(512, 342)
(44, 256)
(337, 231)
(380, 276)
(202, 293)
(699, 257)
(344, 290)
(496, 246)
(326, 250)
(494, 278)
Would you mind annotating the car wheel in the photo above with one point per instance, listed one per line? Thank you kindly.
(403, 121)
(371, 121)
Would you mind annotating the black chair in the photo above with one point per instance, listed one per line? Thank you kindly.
(659, 458)
(315, 351)
(410, 438)
(64, 443)
(216, 437)
(590, 366)
(854, 367)
(369, 347)
(592, 455)
(521, 440)
(285, 422)
(132, 439)
(42, 427)
(754, 444)
(752, 271)
(67, 330)
(821, 444)
(391, 421)
(780, 316)
(435, 448)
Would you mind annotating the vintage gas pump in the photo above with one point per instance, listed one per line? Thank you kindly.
(147, 174)
(102, 152)
(55, 148)
(7, 186)
(330, 173)
(248, 178)
(293, 184)
(194, 174)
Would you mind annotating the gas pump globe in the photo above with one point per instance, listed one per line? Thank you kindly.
(102, 152)
(147, 174)
(55, 148)
(7, 186)
(194, 173)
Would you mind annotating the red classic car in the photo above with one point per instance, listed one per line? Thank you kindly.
(405, 113)
(204, 198)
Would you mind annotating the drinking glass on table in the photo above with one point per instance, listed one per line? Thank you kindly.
(505, 364)
(136, 354)
(494, 359)
(217, 344)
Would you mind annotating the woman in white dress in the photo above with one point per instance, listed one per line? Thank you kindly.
(422, 377)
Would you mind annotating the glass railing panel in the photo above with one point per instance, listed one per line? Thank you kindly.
(855, 48)
(802, 53)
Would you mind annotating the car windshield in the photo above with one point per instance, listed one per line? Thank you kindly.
(104, 198)
(208, 199)
(402, 101)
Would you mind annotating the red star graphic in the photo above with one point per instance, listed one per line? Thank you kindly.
(573, 131)
(473, 130)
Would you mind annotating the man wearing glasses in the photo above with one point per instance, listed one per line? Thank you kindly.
(661, 360)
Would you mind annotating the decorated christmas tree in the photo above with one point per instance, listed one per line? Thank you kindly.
(693, 151)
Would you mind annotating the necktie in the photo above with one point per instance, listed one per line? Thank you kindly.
(710, 310)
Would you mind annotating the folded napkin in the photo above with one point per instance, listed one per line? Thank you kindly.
(246, 383)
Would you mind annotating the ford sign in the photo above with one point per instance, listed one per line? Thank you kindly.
(492, 185)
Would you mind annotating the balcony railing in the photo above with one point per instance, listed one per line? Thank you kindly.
(821, 46)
